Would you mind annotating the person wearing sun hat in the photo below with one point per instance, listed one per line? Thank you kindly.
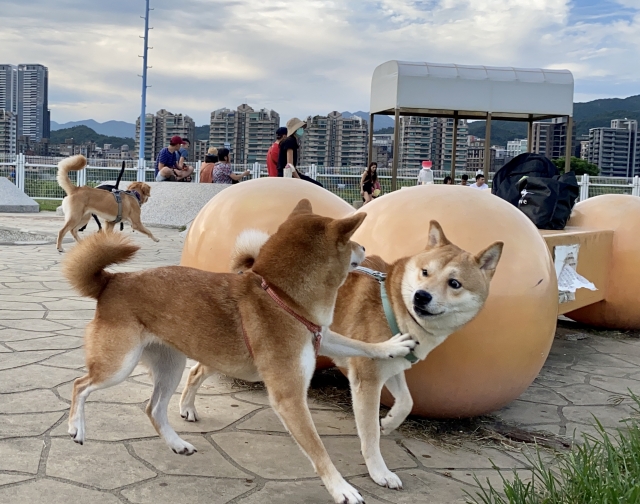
(289, 146)
(206, 170)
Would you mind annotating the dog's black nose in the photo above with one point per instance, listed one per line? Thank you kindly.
(422, 298)
(363, 249)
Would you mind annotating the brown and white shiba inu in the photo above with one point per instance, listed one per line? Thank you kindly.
(266, 324)
(429, 295)
(82, 202)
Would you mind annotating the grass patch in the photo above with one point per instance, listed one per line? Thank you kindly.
(48, 205)
(602, 469)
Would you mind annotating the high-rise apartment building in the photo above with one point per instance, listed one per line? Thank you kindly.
(248, 133)
(33, 102)
(418, 140)
(200, 148)
(444, 144)
(616, 150)
(334, 140)
(159, 129)
(8, 137)
(431, 139)
(550, 138)
(221, 128)
(9, 88)
(475, 156)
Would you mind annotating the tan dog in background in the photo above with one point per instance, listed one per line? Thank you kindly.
(432, 294)
(83, 201)
(227, 321)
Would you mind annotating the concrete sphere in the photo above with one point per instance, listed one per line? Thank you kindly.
(495, 357)
(621, 214)
(261, 204)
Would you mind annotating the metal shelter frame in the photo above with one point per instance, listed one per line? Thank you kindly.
(469, 92)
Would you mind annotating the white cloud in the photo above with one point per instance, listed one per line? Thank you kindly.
(299, 58)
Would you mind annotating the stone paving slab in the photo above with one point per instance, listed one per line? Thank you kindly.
(244, 454)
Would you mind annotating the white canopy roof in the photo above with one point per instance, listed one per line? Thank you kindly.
(432, 89)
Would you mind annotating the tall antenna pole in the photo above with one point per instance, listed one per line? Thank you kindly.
(143, 108)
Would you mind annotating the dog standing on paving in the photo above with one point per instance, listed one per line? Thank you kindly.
(268, 325)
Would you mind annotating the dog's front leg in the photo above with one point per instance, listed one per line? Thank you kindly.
(336, 346)
(366, 385)
(198, 374)
(137, 226)
(288, 389)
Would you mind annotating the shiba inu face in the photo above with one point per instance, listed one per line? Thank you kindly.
(445, 285)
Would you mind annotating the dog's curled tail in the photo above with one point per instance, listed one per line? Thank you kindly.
(84, 265)
(247, 248)
(73, 163)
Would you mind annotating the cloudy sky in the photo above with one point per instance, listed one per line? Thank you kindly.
(306, 56)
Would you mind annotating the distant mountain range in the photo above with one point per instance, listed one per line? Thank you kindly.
(81, 133)
(593, 114)
(120, 129)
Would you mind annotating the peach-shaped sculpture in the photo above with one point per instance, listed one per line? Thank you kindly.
(621, 214)
(495, 357)
(261, 204)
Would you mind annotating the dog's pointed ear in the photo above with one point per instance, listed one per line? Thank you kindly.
(303, 207)
(344, 228)
(488, 259)
(436, 236)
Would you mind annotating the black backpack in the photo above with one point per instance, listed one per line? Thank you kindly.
(505, 181)
(548, 201)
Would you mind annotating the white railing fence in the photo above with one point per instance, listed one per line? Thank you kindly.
(36, 176)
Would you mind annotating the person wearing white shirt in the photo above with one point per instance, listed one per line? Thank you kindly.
(479, 183)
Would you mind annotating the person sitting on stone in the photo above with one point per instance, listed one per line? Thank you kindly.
(167, 169)
(222, 171)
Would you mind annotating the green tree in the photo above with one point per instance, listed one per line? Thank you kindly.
(579, 166)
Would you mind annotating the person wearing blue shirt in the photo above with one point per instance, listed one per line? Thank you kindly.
(167, 168)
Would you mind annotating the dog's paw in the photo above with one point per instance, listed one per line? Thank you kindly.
(344, 493)
(61, 250)
(387, 479)
(399, 346)
(189, 413)
(76, 434)
(181, 447)
(387, 425)
(155, 239)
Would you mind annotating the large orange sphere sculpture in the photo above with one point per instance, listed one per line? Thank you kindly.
(261, 204)
(621, 214)
(494, 358)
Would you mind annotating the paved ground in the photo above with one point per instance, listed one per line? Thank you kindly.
(244, 455)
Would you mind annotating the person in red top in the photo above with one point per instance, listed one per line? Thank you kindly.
(274, 152)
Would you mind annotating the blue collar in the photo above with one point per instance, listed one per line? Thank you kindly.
(386, 305)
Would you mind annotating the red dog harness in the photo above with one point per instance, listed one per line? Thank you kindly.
(314, 329)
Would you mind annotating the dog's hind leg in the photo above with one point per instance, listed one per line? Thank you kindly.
(199, 373)
(102, 373)
(402, 405)
(365, 390)
(288, 395)
(68, 226)
(166, 366)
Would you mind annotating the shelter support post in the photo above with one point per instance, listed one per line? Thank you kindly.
(454, 145)
(371, 117)
(530, 135)
(567, 154)
(487, 147)
(396, 150)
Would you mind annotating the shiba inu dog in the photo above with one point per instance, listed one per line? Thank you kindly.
(82, 202)
(429, 295)
(267, 324)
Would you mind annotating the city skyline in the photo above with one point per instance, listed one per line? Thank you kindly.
(309, 56)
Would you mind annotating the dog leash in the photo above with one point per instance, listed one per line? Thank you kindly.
(314, 329)
(386, 305)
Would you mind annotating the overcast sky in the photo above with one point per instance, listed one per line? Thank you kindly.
(302, 57)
